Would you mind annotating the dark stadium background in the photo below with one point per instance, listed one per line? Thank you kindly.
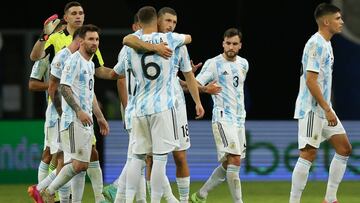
(274, 35)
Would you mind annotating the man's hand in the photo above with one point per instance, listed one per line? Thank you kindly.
(50, 25)
(331, 117)
(84, 118)
(212, 88)
(163, 50)
(199, 111)
(195, 67)
(104, 126)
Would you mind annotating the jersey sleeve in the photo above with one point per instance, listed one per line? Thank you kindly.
(313, 57)
(39, 68)
(206, 74)
(71, 70)
(184, 63)
(57, 66)
(97, 59)
(120, 66)
(175, 39)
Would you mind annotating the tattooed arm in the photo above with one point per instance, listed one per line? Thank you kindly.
(69, 98)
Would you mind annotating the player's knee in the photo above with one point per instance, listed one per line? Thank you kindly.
(233, 159)
(345, 150)
(46, 156)
(80, 166)
(94, 154)
(180, 159)
(308, 153)
(149, 160)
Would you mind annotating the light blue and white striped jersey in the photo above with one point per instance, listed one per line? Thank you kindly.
(154, 75)
(183, 64)
(123, 68)
(317, 57)
(78, 74)
(230, 75)
(40, 71)
(56, 67)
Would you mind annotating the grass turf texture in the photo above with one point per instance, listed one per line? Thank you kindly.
(253, 192)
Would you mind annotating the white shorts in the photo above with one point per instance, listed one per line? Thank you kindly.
(76, 142)
(313, 130)
(156, 133)
(131, 144)
(229, 139)
(183, 128)
(52, 137)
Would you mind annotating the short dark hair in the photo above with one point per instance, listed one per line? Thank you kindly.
(232, 32)
(325, 9)
(71, 4)
(147, 14)
(87, 28)
(164, 10)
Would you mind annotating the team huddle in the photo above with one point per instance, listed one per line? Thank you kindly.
(67, 57)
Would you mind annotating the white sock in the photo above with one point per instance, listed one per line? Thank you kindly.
(46, 181)
(158, 177)
(64, 193)
(65, 174)
(168, 194)
(299, 179)
(77, 186)
(183, 184)
(95, 174)
(43, 171)
(233, 180)
(133, 175)
(216, 178)
(121, 184)
(141, 191)
(115, 183)
(336, 173)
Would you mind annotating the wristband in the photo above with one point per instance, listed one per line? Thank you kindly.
(43, 37)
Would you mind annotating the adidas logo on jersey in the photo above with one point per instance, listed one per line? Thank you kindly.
(225, 73)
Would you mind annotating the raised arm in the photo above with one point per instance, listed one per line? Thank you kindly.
(37, 85)
(141, 46)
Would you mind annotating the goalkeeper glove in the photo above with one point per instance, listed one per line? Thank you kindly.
(50, 25)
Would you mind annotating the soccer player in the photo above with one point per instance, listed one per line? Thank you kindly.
(115, 192)
(228, 120)
(54, 112)
(317, 120)
(77, 89)
(167, 20)
(155, 102)
(126, 90)
(74, 16)
(39, 81)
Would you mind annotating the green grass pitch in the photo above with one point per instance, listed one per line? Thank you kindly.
(253, 192)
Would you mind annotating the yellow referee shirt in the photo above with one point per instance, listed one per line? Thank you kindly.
(62, 39)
